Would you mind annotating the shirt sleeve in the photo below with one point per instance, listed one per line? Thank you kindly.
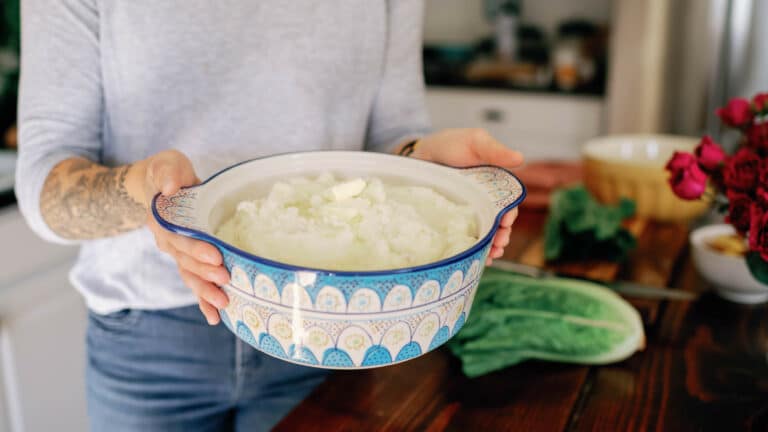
(399, 111)
(60, 97)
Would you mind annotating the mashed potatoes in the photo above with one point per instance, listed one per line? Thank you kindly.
(359, 224)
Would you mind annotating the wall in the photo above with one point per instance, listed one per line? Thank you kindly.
(639, 53)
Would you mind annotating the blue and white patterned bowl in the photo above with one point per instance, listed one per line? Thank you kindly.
(340, 319)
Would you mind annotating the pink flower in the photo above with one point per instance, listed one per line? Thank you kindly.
(739, 208)
(758, 231)
(742, 170)
(761, 102)
(687, 180)
(709, 154)
(761, 198)
(757, 136)
(737, 113)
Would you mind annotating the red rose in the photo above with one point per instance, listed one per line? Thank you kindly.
(737, 113)
(758, 231)
(761, 102)
(762, 178)
(762, 197)
(757, 135)
(741, 170)
(739, 208)
(709, 154)
(680, 160)
(687, 180)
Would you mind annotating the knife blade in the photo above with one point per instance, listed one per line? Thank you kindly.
(630, 289)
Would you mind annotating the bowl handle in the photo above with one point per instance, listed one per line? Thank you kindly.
(177, 212)
(503, 188)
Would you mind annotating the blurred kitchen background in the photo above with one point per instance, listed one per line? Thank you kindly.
(542, 76)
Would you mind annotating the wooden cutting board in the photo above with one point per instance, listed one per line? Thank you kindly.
(659, 249)
(597, 270)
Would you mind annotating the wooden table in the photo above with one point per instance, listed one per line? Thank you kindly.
(704, 368)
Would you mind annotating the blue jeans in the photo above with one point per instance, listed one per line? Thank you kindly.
(169, 370)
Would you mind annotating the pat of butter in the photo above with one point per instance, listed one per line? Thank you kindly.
(348, 189)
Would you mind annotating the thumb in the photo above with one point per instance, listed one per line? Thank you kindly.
(495, 153)
(170, 183)
(170, 174)
(165, 177)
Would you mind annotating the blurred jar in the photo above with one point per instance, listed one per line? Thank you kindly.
(575, 54)
(566, 64)
(532, 66)
(506, 23)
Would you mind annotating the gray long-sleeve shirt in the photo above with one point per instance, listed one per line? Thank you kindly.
(116, 81)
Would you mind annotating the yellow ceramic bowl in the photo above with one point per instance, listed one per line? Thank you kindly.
(632, 166)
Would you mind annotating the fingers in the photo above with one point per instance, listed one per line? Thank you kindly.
(501, 239)
(509, 218)
(209, 311)
(169, 242)
(496, 252)
(489, 150)
(204, 289)
(199, 250)
(161, 235)
(207, 272)
(194, 256)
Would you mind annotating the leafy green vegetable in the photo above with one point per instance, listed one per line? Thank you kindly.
(9, 65)
(757, 266)
(515, 318)
(11, 23)
(578, 227)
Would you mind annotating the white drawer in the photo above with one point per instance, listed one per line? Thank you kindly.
(541, 126)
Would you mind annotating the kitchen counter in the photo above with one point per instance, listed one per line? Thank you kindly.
(704, 368)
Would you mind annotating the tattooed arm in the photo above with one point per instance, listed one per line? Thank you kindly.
(83, 200)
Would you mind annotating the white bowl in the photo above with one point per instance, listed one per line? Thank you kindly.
(344, 319)
(729, 275)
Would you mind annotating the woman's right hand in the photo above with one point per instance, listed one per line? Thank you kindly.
(199, 263)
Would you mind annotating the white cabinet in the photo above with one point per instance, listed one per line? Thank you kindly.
(541, 126)
(42, 330)
(43, 350)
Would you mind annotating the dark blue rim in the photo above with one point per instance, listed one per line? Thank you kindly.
(199, 235)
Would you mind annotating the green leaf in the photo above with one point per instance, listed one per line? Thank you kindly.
(608, 224)
(553, 242)
(11, 22)
(515, 318)
(758, 266)
(579, 227)
(627, 208)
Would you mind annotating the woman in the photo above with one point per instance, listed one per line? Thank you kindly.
(122, 100)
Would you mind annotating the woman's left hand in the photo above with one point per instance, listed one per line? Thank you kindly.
(468, 147)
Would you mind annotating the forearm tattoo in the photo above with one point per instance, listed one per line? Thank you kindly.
(82, 200)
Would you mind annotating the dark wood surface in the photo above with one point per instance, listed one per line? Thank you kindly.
(704, 368)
